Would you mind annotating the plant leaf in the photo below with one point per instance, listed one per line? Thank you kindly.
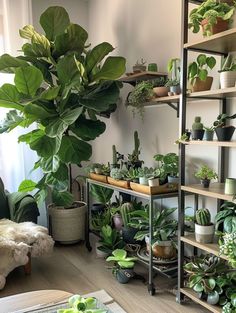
(27, 186)
(8, 64)
(37, 111)
(28, 79)
(10, 97)
(201, 59)
(54, 21)
(202, 74)
(74, 150)
(211, 62)
(68, 70)
(64, 198)
(97, 54)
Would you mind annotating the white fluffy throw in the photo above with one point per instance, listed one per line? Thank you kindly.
(16, 241)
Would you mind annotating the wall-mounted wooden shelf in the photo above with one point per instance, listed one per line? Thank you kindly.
(216, 190)
(223, 42)
(136, 77)
(161, 100)
(212, 248)
(192, 295)
(214, 93)
(214, 143)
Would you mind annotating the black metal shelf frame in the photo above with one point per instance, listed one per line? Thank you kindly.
(182, 147)
(150, 198)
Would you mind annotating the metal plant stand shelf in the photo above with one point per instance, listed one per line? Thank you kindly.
(150, 198)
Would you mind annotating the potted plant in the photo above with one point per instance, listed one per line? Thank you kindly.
(198, 73)
(159, 88)
(139, 66)
(197, 129)
(173, 68)
(110, 240)
(185, 137)
(225, 219)
(224, 132)
(144, 174)
(228, 72)
(102, 196)
(228, 247)
(78, 304)
(57, 81)
(209, 133)
(212, 16)
(204, 228)
(128, 232)
(123, 268)
(132, 175)
(163, 244)
(168, 166)
(174, 86)
(133, 159)
(206, 174)
(142, 93)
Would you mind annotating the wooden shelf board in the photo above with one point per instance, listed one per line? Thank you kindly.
(161, 100)
(193, 296)
(212, 248)
(141, 76)
(214, 143)
(216, 190)
(223, 42)
(214, 93)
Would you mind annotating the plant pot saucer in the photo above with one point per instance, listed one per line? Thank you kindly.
(144, 255)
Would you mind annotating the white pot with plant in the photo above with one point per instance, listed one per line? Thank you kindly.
(168, 166)
(206, 174)
(198, 73)
(228, 72)
(173, 82)
(204, 229)
(144, 175)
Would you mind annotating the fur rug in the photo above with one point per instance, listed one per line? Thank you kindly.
(16, 241)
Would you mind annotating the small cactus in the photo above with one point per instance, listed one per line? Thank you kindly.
(114, 155)
(136, 143)
(203, 217)
(125, 209)
(197, 123)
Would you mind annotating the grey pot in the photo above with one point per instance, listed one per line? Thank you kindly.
(208, 135)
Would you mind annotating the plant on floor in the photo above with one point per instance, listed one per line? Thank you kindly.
(199, 69)
(101, 219)
(78, 304)
(210, 10)
(133, 159)
(225, 219)
(110, 240)
(141, 93)
(206, 174)
(63, 85)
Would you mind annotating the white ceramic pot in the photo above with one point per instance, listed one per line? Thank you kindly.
(173, 180)
(99, 253)
(152, 182)
(143, 181)
(204, 234)
(227, 79)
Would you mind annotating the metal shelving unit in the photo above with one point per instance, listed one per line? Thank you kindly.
(219, 44)
(150, 198)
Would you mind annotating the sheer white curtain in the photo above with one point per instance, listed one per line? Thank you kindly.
(16, 160)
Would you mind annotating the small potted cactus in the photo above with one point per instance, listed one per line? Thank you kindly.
(197, 129)
(204, 229)
(133, 159)
(115, 163)
(206, 174)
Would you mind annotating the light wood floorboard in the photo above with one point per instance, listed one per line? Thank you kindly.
(73, 269)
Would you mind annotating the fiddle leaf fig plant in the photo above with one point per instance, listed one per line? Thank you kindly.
(61, 86)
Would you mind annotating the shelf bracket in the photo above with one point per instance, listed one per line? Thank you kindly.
(175, 107)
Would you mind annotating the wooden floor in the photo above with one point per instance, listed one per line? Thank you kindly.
(73, 269)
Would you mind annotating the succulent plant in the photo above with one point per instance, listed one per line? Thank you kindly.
(117, 173)
(197, 123)
(203, 217)
(125, 210)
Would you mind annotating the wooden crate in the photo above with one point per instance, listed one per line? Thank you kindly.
(166, 188)
(119, 183)
(98, 177)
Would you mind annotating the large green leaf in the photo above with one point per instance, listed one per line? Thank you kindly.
(54, 21)
(28, 80)
(62, 198)
(27, 186)
(101, 97)
(101, 194)
(50, 93)
(62, 172)
(42, 144)
(88, 129)
(60, 124)
(50, 164)
(41, 44)
(112, 69)
(73, 150)
(38, 111)
(68, 70)
(96, 55)
(27, 32)
(8, 64)
(11, 121)
(10, 97)
(73, 40)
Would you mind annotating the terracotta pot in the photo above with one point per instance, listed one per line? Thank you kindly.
(219, 27)
(161, 91)
(202, 85)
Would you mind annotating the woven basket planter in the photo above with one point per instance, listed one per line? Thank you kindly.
(68, 225)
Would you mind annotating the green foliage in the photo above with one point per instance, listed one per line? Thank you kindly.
(228, 247)
(199, 68)
(110, 239)
(222, 118)
(121, 259)
(225, 219)
(132, 174)
(173, 68)
(159, 81)
(134, 157)
(172, 82)
(101, 219)
(228, 64)
(118, 173)
(101, 194)
(168, 164)
(206, 172)
(203, 217)
(141, 93)
(210, 10)
(183, 137)
(64, 87)
(197, 123)
(125, 210)
(78, 304)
